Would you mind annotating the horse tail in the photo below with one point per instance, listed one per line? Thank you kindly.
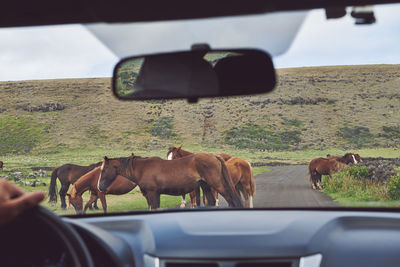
(53, 186)
(227, 181)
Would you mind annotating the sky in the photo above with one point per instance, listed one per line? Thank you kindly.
(72, 51)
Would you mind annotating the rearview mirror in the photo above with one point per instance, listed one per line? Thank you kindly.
(194, 74)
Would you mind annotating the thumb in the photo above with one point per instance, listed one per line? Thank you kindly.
(24, 202)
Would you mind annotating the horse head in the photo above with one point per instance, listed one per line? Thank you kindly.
(75, 200)
(350, 158)
(109, 171)
(170, 152)
(174, 152)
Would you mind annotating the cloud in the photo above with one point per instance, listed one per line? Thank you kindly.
(341, 42)
(52, 52)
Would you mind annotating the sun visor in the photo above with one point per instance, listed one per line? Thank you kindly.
(272, 32)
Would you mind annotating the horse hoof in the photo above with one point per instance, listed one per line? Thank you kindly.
(182, 206)
(96, 208)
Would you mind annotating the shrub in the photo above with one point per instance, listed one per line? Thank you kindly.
(359, 172)
(391, 132)
(293, 122)
(19, 135)
(252, 136)
(349, 184)
(394, 187)
(358, 136)
(163, 127)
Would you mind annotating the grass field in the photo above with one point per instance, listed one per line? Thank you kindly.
(312, 112)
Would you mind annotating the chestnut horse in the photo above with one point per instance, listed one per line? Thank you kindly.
(356, 158)
(240, 171)
(67, 174)
(157, 176)
(326, 166)
(89, 181)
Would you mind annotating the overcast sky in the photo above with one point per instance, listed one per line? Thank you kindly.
(72, 51)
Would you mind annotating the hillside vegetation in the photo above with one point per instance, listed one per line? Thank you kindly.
(340, 107)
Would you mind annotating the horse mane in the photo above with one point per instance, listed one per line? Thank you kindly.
(344, 158)
(72, 192)
(96, 164)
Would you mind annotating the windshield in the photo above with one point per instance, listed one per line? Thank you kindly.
(328, 135)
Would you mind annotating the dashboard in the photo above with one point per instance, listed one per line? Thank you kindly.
(253, 238)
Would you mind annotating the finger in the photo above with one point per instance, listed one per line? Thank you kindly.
(26, 201)
(13, 190)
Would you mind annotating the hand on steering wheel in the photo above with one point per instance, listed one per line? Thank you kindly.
(14, 201)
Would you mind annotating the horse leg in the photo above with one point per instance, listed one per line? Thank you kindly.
(183, 202)
(197, 197)
(319, 184)
(215, 193)
(313, 178)
(153, 200)
(93, 197)
(63, 192)
(193, 198)
(95, 204)
(245, 192)
(102, 197)
(207, 194)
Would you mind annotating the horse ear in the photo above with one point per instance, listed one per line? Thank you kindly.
(132, 155)
(179, 148)
(105, 158)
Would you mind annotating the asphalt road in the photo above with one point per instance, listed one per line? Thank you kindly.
(287, 186)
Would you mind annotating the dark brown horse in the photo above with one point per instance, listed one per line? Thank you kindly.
(326, 166)
(157, 176)
(89, 181)
(1, 164)
(240, 171)
(67, 174)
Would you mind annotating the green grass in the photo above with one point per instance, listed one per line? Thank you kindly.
(352, 187)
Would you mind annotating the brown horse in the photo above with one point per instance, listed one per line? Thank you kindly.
(355, 158)
(326, 166)
(89, 181)
(157, 176)
(67, 174)
(1, 164)
(240, 171)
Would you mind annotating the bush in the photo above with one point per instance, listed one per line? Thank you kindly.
(293, 122)
(359, 172)
(349, 184)
(394, 187)
(252, 136)
(19, 135)
(391, 132)
(358, 136)
(163, 127)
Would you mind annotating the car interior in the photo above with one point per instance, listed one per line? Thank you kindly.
(192, 76)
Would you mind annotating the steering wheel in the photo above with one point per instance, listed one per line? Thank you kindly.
(38, 237)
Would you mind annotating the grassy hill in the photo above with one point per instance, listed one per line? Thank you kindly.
(316, 108)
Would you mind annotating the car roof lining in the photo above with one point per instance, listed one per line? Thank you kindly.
(49, 12)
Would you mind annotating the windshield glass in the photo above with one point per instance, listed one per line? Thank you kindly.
(328, 135)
